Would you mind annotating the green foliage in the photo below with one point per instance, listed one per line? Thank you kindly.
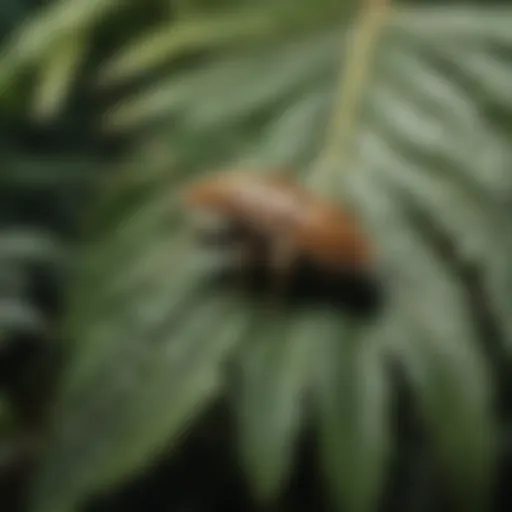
(429, 174)
(269, 397)
(353, 408)
(57, 25)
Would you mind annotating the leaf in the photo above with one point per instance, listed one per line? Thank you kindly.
(432, 139)
(28, 246)
(22, 171)
(435, 339)
(288, 70)
(457, 24)
(36, 36)
(292, 137)
(22, 250)
(223, 29)
(173, 39)
(18, 316)
(351, 391)
(274, 373)
(57, 75)
(252, 86)
(418, 107)
(165, 370)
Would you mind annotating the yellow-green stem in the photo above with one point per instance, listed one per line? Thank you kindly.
(360, 51)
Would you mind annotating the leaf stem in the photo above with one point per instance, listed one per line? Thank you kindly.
(360, 50)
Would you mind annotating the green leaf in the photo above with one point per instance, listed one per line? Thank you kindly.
(274, 373)
(22, 171)
(47, 27)
(352, 395)
(137, 330)
(456, 24)
(172, 40)
(291, 139)
(434, 337)
(17, 315)
(166, 369)
(28, 246)
(238, 87)
(224, 29)
(58, 71)
(432, 139)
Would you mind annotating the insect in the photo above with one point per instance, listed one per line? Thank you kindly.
(271, 220)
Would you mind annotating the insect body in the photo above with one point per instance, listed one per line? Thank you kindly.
(272, 219)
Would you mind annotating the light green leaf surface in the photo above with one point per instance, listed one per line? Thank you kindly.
(352, 395)
(274, 373)
(57, 73)
(168, 370)
(433, 336)
(28, 246)
(172, 40)
(222, 29)
(49, 26)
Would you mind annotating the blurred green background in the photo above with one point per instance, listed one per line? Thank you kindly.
(126, 384)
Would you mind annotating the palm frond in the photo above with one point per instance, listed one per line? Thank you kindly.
(429, 162)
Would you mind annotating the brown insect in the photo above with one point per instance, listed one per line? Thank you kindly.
(273, 220)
